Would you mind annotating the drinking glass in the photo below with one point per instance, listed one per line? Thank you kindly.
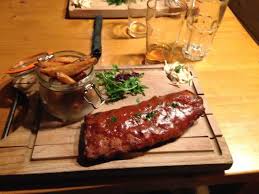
(136, 18)
(203, 20)
(164, 22)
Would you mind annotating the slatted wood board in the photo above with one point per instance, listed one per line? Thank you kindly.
(101, 7)
(54, 148)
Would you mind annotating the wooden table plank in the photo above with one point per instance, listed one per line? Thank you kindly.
(228, 75)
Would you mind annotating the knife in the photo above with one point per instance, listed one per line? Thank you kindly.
(96, 38)
(11, 114)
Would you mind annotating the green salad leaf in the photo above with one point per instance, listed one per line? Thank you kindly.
(118, 83)
(115, 2)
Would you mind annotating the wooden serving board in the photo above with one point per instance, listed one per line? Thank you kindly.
(54, 148)
(101, 7)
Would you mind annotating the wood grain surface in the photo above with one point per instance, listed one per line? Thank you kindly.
(100, 7)
(197, 150)
(228, 75)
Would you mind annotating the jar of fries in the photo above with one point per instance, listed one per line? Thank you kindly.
(67, 85)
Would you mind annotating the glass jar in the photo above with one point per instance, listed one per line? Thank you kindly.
(69, 102)
(23, 76)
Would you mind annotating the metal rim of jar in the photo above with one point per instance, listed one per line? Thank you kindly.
(63, 87)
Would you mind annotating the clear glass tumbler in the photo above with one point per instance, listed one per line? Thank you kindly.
(164, 23)
(136, 18)
(202, 23)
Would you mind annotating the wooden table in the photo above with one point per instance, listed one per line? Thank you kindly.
(229, 76)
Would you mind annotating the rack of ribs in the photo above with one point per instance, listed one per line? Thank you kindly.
(108, 135)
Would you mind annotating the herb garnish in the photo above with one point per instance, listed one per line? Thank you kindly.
(178, 73)
(174, 104)
(138, 115)
(113, 119)
(178, 68)
(150, 115)
(117, 85)
(116, 2)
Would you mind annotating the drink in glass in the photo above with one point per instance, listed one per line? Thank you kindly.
(164, 22)
(136, 18)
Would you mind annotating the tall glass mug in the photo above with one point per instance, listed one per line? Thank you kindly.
(164, 22)
(136, 18)
(203, 20)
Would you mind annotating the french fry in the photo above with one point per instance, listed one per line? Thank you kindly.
(65, 78)
(70, 69)
(45, 64)
(65, 60)
(79, 76)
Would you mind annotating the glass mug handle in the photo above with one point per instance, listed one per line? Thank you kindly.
(89, 87)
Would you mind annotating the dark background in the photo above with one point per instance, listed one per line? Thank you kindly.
(247, 11)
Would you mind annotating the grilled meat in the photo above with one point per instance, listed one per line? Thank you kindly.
(109, 134)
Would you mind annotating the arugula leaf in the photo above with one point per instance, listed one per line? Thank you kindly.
(117, 90)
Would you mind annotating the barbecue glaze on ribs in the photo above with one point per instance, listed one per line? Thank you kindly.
(109, 134)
